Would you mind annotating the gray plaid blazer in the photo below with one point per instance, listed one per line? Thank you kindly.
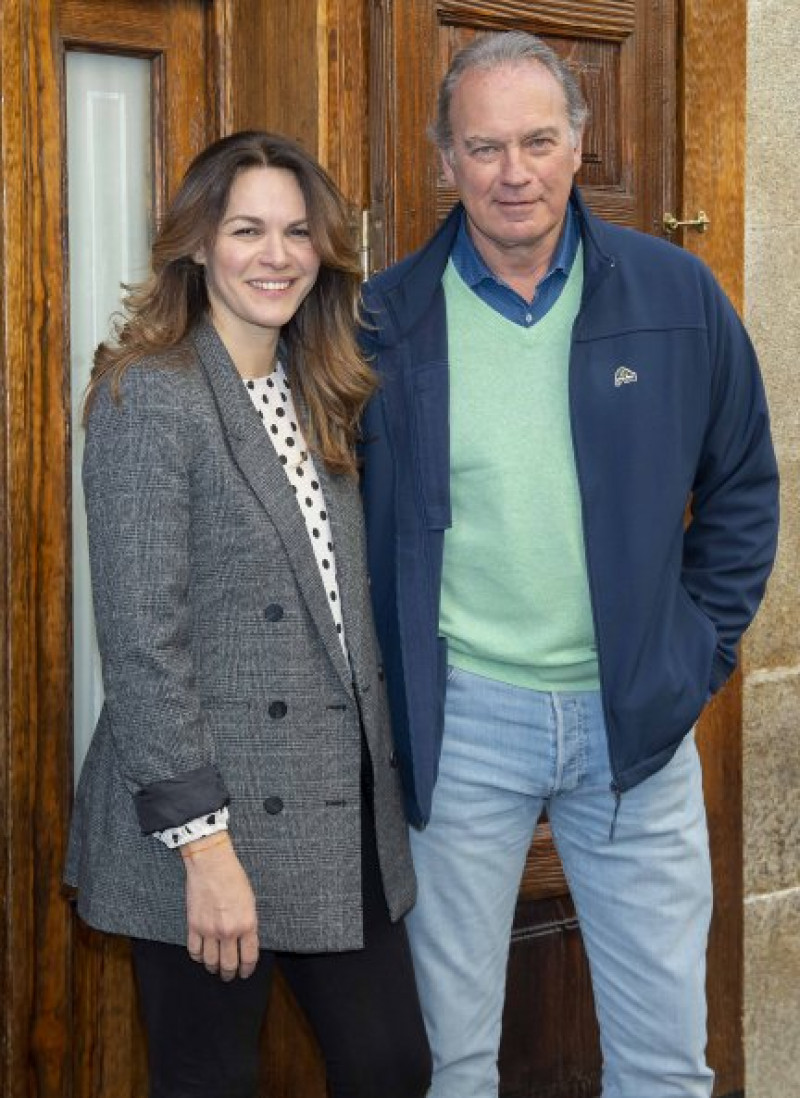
(223, 672)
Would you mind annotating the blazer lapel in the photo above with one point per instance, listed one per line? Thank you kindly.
(256, 458)
(343, 502)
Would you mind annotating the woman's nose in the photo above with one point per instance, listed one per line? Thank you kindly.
(273, 250)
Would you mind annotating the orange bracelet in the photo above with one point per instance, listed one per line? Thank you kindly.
(193, 853)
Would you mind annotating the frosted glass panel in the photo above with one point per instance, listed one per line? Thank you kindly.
(109, 185)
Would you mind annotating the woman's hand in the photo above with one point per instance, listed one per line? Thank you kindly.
(220, 908)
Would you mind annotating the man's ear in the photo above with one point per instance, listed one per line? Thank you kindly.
(446, 160)
(577, 154)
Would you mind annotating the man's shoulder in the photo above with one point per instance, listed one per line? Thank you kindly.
(383, 282)
(632, 243)
(634, 246)
(424, 266)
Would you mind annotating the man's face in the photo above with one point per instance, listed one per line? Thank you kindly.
(513, 158)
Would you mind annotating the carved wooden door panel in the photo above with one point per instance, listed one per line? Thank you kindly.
(624, 52)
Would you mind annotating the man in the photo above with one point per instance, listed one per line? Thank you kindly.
(554, 390)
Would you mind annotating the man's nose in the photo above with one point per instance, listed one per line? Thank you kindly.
(515, 171)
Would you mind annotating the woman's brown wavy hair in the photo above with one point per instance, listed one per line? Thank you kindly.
(326, 369)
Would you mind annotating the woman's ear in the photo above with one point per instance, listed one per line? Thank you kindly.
(200, 257)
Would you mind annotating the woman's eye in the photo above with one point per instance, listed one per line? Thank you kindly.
(301, 231)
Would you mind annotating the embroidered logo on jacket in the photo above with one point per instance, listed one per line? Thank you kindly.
(624, 376)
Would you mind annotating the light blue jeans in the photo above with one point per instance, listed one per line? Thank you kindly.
(643, 898)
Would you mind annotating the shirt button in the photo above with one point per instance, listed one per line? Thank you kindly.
(273, 805)
(277, 710)
(273, 612)
(529, 318)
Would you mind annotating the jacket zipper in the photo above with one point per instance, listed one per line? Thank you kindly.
(614, 786)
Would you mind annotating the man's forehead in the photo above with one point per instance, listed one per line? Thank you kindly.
(508, 90)
(510, 73)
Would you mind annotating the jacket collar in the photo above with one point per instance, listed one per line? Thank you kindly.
(397, 299)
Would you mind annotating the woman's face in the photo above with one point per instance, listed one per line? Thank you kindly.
(262, 264)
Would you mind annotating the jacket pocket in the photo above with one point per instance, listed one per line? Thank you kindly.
(667, 678)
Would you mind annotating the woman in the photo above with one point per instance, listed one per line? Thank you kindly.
(240, 804)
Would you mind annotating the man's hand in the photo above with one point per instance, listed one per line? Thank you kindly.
(220, 908)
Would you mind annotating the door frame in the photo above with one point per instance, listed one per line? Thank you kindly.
(713, 70)
(36, 926)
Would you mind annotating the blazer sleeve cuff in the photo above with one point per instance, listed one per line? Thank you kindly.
(174, 801)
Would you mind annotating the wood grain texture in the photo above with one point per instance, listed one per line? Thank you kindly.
(543, 876)
(108, 1046)
(712, 131)
(712, 134)
(607, 18)
(273, 68)
(343, 148)
(36, 758)
(550, 1044)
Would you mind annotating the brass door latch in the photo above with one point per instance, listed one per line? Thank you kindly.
(700, 223)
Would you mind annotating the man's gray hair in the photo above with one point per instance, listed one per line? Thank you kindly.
(493, 51)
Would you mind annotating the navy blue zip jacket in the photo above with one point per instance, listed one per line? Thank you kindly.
(666, 405)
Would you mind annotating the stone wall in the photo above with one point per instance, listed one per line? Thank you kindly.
(771, 654)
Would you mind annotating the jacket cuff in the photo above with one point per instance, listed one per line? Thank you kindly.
(174, 801)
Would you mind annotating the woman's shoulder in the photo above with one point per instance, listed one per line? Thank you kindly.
(163, 395)
(168, 378)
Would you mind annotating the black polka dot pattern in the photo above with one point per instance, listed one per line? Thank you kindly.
(280, 420)
(199, 828)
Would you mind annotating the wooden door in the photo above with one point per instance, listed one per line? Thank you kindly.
(624, 52)
(67, 992)
(69, 1017)
(68, 1020)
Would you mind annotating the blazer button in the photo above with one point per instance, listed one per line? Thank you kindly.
(381, 673)
(277, 710)
(273, 805)
(273, 612)
(394, 762)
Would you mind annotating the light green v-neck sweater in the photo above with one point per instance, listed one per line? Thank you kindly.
(515, 598)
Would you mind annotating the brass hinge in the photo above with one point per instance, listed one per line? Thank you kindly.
(365, 245)
(371, 243)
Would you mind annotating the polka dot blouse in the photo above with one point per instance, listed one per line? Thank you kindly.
(272, 399)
